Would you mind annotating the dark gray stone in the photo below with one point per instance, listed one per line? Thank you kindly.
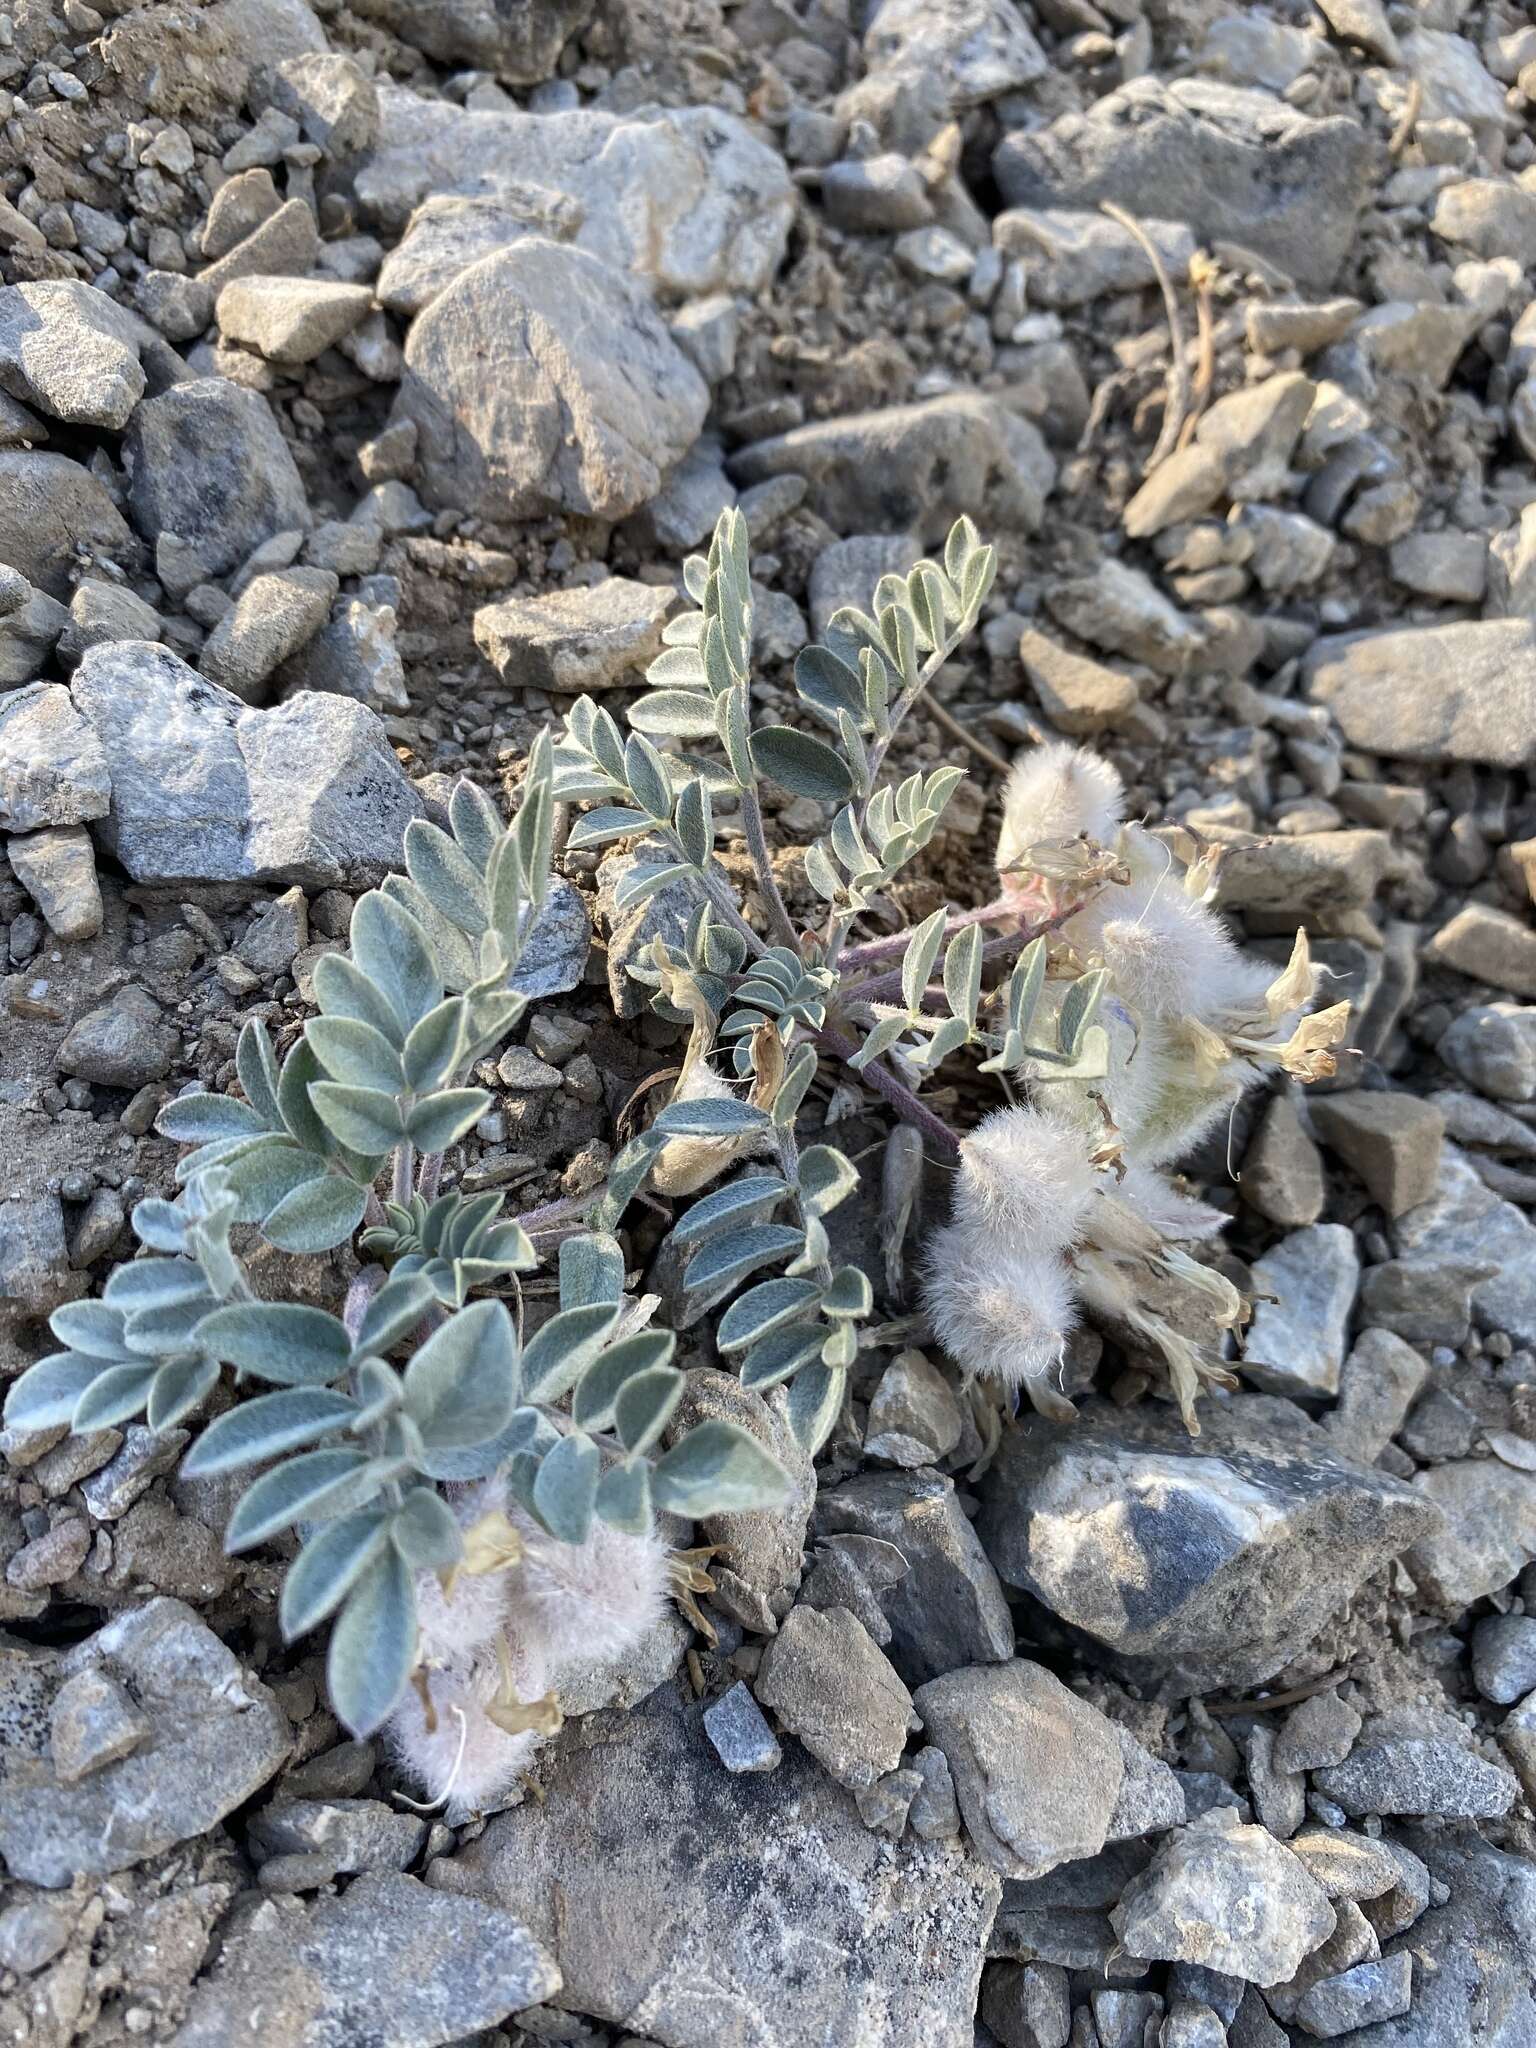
(207, 463)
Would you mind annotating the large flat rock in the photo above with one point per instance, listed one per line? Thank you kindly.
(1461, 692)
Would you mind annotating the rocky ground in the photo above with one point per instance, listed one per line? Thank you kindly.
(365, 374)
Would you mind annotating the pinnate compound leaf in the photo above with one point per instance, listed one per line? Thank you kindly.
(373, 1645)
(717, 1469)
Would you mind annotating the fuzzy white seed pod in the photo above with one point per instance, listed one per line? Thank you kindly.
(579, 1602)
(1025, 1176)
(1058, 792)
(1177, 1218)
(459, 1755)
(998, 1311)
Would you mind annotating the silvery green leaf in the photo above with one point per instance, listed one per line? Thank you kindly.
(373, 1645)
(646, 774)
(801, 764)
(455, 952)
(828, 684)
(393, 1312)
(917, 961)
(842, 1345)
(710, 1117)
(392, 950)
(717, 1469)
(262, 1178)
(159, 1224)
(301, 1070)
(962, 973)
(674, 714)
(925, 600)
(256, 1065)
(115, 1394)
(798, 1076)
(876, 678)
(854, 753)
(762, 1310)
(820, 873)
(467, 1223)
(565, 1491)
(695, 576)
(559, 1353)
(680, 667)
(848, 1293)
(610, 821)
(591, 1270)
(816, 1252)
(898, 632)
(608, 745)
(1025, 984)
(937, 791)
(643, 882)
(445, 876)
(980, 570)
(1077, 1010)
(327, 1568)
(950, 1036)
(733, 723)
(686, 630)
(506, 882)
(815, 1401)
(365, 1119)
(645, 1405)
(93, 1328)
(626, 1176)
(281, 1341)
(434, 1047)
(962, 543)
(734, 1254)
(194, 1119)
(440, 1120)
(624, 1497)
(154, 1283)
(694, 824)
(380, 1394)
(476, 822)
(424, 1531)
(156, 1332)
(306, 1488)
(317, 1216)
(849, 846)
(778, 1357)
(826, 1178)
(481, 1460)
(47, 1394)
(740, 1202)
(357, 1054)
(598, 1387)
(343, 990)
(267, 1427)
(462, 1385)
(177, 1388)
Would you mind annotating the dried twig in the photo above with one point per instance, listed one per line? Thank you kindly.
(1202, 275)
(1402, 134)
(1178, 376)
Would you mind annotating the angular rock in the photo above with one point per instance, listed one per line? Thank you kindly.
(518, 40)
(1488, 945)
(1037, 1771)
(1381, 1379)
(826, 1682)
(691, 1952)
(1236, 165)
(1467, 1225)
(34, 1257)
(1417, 1762)
(949, 1609)
(914, 467)
(558, 942)
(391, 1962)
(1488, 1534)
(1463, 692)
(1079, 697)
(207, 463)
(1027, 2005)
(1228, 1897)
(571, 641)
(846, 572)
(1320, 1730)
(742, 1738)
(1283, 1169)
(52, 768)
(29, 632)
(286, 244)
(71, 351)
(1210, 1561)
(125, 1042)
(52, 511)
(215, 1737)
(688, 199)
(1492, 1046)
(334, 102)
(104, 611)
(1296, 1343)
(274, 617)
(1073, 257)
(354, 656)
(1150, 1797)
(914, 1417)
(1504, 1656)
(93, 1722)
(1391, 1139)
(57, 868)
(206, 789)
(980, 49)
(290, 319)
(353, 1834)
(540, 380)
(451, 230)
(1121, 610)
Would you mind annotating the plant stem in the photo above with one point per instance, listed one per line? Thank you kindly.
(405, 1166)
(569, 1209)
(1007, 947)
(364, 1287)
(900, 1097)
(767, 883)
(998, 911)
